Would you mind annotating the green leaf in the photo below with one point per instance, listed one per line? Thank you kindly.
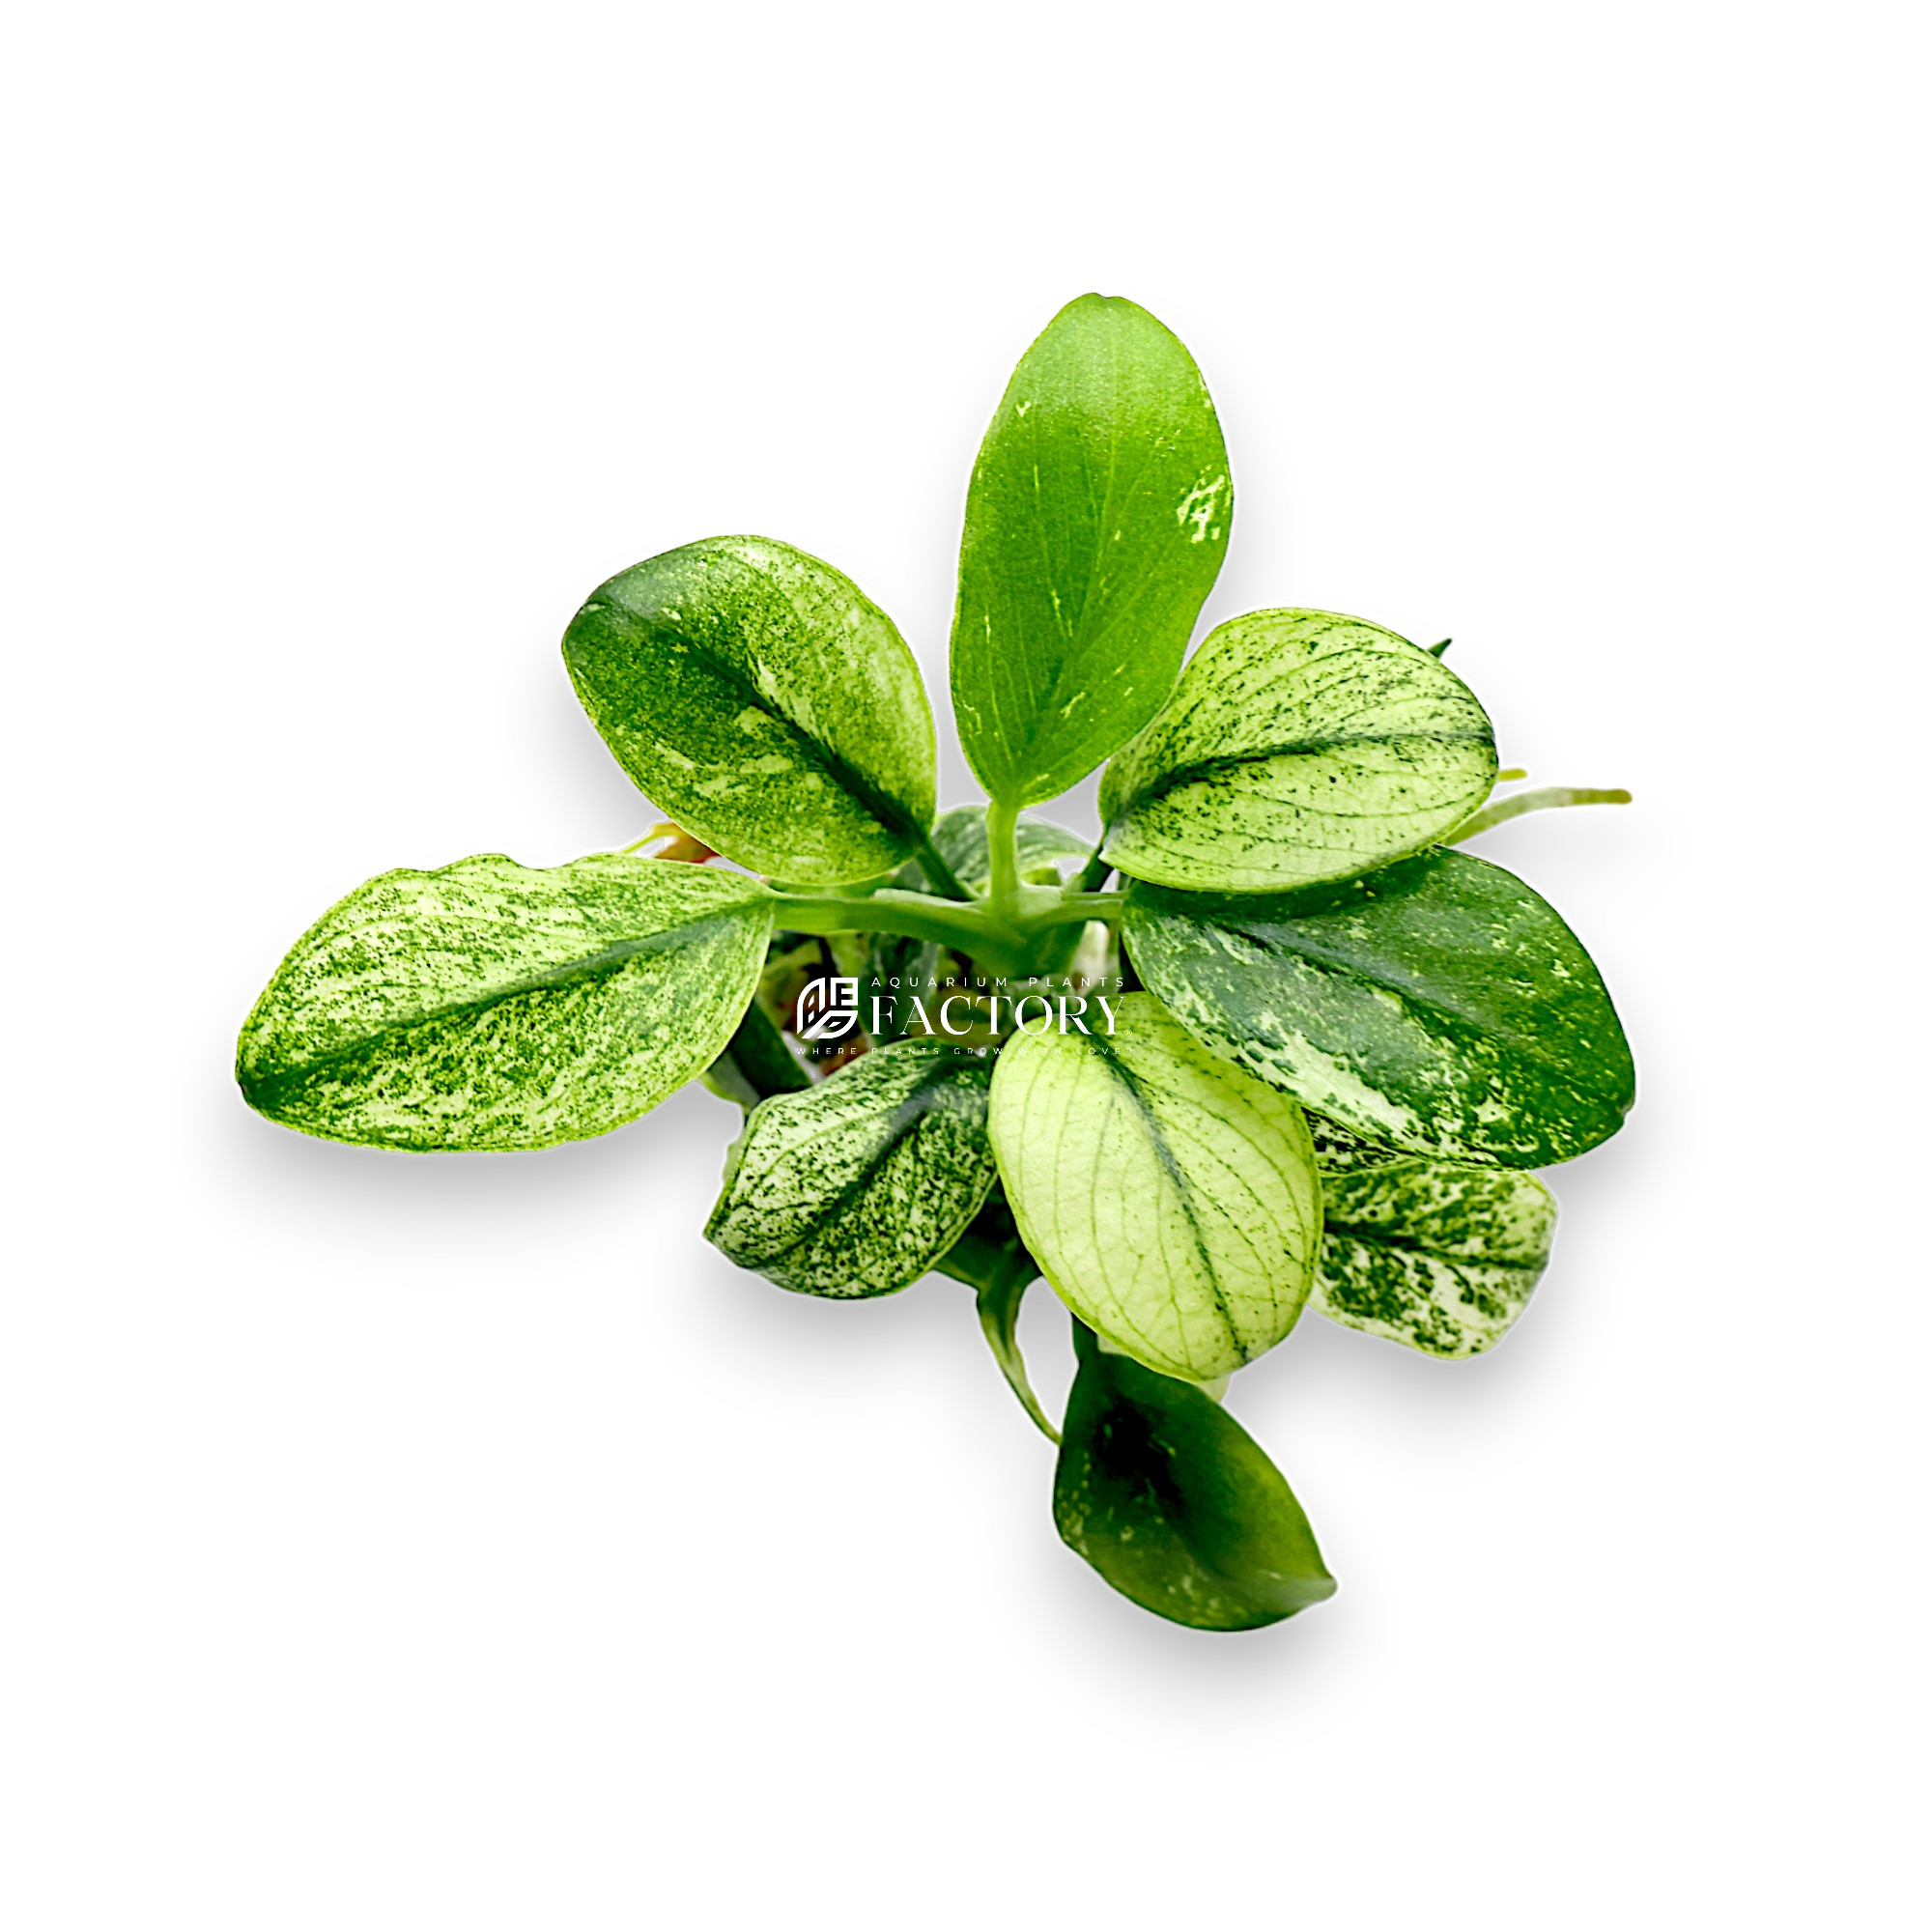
(1048, 853)
(490, 1005)
(1440, 1257)
(1439, 1006)
(758, 697)
(1175, 1505)
(1095, 523)
(755, 1063)
(1298, 747)
(890, 956)
(999, 1322)
(1170, 1199)
(859, 1185)
(991, 1257)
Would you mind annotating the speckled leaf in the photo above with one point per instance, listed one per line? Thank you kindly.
(756, 696)
(1169, 1198)
(1298, 747)
(1095, 523)
(491, 1005)
(1439, 1006)
(1175, 1505)
(1429, 1253)
(857, 1187)
(1340, 1149)
(1047, 852)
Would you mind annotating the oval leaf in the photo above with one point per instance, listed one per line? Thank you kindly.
(1170, 1199)
(1095, 523)
(756, 696)
(1298, 747)
(491, 1005)
(859, 1185)
(1440, 1006)
(1440, 1257)
(1175, 1505)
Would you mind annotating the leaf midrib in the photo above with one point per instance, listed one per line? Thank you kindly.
(609, 958)
(908, 1111)
(881, 804)
(1163, 1153)
(1206, 771)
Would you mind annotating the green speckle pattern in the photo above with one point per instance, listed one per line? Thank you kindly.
(1175, 1505)
(1439, 1006)
(1440, 1257)
(1299, 746)
(1170, 1199)
(758, 697)
(1096, 523)
(491, 1006)
(857, 1187)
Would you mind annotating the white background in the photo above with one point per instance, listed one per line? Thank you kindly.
(401, 1542)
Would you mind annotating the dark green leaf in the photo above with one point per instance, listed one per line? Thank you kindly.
(1095, 523)
(1175, 1504)
(859, 1185)
(1439, 1006)
(757, 1063)
(490, 1006)
(769, 707)
(1298, 747)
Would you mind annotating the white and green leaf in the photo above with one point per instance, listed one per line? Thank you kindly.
(1439, 1006)
(761, 699)
(858, 1185)
(1175, 1504)
(1440, 1257)
(494, 1006)
(1298, 747)
(1170, 1199)
(1095, 523)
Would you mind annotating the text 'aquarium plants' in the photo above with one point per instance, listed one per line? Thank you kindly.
(1271, 1045)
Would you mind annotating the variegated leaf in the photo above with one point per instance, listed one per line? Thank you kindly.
(756, 695)
(1440, 1257)
(494, 1006)
(1169, 1198)
(1299, 746)
(1439, 1006)
(859, 1185)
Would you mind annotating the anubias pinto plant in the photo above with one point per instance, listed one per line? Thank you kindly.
(1303, 1055)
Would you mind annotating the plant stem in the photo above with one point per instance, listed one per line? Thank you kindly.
(1000, 944)
(968, 928)
(1544, 799)
(1001, 855)
(1072, 908)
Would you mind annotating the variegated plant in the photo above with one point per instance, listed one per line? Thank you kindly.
(1302, 1055)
